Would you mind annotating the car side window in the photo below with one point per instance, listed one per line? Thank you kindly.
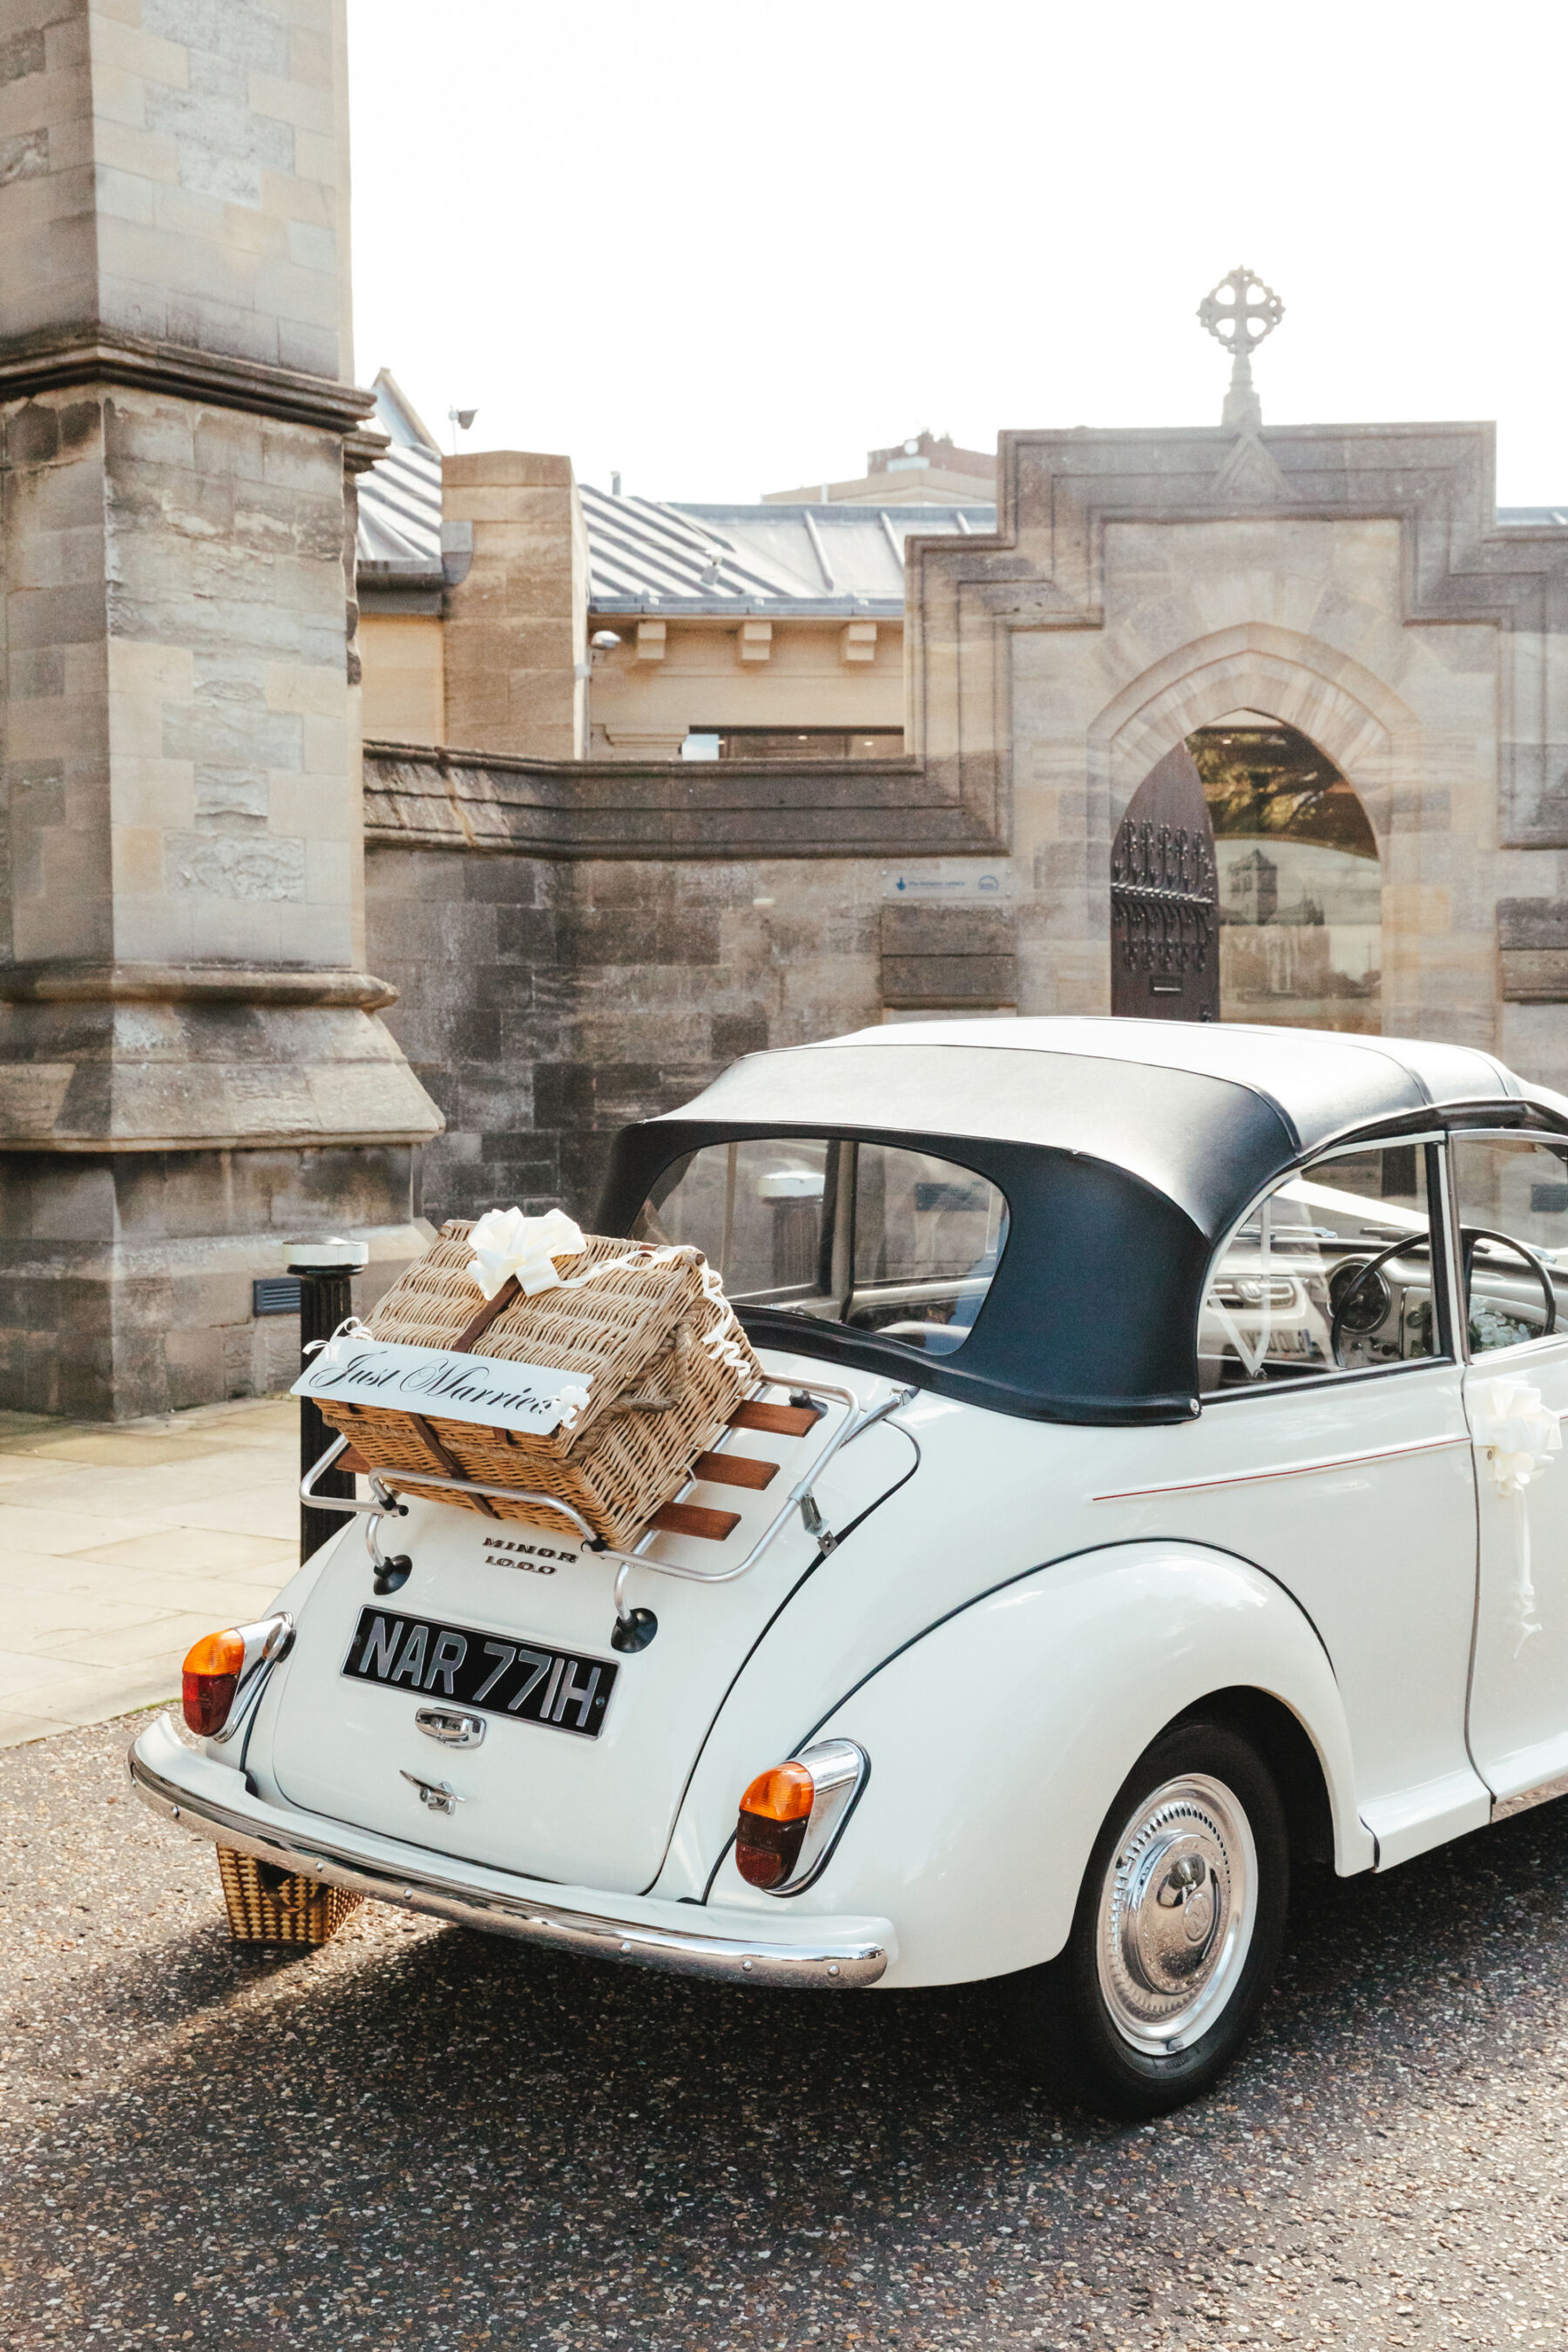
(878, 1237)
(1330, 1272)
(1510, 1194)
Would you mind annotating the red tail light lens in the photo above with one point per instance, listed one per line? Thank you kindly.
(771, 1830)
(211, 1678)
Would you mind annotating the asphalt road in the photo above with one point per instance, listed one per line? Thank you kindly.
(419, 2136)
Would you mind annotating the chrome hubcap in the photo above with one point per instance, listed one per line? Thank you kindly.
(1176, 1913)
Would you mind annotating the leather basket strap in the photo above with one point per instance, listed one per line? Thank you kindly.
(449, 1469)
(492, 1309)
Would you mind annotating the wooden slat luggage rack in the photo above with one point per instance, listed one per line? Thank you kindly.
(719, 1466)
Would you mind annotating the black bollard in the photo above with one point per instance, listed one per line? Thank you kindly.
(326, 1271)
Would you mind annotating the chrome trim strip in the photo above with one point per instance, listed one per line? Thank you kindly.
(268, 1640)
(1504, 1808)
(1283, 1469)
(839, 1768)
(830, 1963)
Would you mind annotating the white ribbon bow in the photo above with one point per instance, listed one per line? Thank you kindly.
(572, 1401)
(1511, 1426)
(505, 1243)
(333, 1354)
(1518, 1436)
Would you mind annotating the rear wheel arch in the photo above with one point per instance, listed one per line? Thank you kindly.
(1286, 1747)
(1119, 1675)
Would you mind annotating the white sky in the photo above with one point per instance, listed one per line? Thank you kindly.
(729, 248)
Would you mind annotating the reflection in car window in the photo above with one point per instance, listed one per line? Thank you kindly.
(1516, 1189)
(1332, 1272)
(867, 1234)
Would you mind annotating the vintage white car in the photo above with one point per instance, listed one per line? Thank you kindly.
(1153, 1487)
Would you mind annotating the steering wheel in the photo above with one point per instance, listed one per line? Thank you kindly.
(1470, 1234)
(1405, 1245)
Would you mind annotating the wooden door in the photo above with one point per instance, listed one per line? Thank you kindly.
(1164, 928)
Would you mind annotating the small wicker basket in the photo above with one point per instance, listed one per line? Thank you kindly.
(669, 1365)
(268, 1906)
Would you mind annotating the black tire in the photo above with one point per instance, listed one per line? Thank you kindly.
(1096, 2024)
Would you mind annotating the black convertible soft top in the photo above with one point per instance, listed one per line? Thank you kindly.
(1126, 1150)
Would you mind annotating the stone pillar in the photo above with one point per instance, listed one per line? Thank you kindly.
(517, 625)
(192, 1070)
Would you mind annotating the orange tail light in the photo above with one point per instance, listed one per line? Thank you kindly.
(211, 1678)
(771, 1830)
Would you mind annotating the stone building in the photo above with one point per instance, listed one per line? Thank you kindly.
(193, 1064)
(1322, 645)
(1337, 611)
(504, 607)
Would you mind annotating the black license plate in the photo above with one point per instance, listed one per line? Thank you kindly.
(476, 1669)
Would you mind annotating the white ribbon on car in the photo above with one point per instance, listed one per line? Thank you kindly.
(1518, 1436)
(506, 1243)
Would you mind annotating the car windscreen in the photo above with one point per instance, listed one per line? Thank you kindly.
(869, 1235)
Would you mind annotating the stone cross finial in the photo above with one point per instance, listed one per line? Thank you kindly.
(1238, 313)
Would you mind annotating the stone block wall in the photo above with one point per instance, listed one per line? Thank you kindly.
(545, 1004)
(578, 945)
(171, 171)
(948, 958)
(125, 1278)
(177, 724)
(516, 628)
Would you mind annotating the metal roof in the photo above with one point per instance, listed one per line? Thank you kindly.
(661, 556)
(399, 536)
(400, 513)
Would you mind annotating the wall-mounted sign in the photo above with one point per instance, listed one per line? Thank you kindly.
(941, 880)
(530, 1398)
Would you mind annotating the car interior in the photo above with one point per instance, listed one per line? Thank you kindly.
(874, 1236)
(1334, 1269)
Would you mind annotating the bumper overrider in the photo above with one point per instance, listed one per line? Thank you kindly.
(214, 1801)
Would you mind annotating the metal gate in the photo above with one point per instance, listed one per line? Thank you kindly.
(1165, 905)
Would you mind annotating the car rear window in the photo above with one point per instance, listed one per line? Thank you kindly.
(875, 1236)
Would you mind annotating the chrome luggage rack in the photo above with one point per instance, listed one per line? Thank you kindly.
(634, 1628)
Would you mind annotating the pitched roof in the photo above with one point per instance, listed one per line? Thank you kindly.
(663, 556)
(399, 534)
(654, 555)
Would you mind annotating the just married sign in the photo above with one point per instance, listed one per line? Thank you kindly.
(530, 1398)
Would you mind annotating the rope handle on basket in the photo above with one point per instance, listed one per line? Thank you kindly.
(678, 1339)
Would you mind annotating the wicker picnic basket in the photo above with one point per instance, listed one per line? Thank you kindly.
(669, 1364)
(268, 1905)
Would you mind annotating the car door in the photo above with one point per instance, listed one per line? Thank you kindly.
(1332, 1450)
(1510, 1194)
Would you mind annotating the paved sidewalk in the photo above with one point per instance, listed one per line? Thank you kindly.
(122, 1542)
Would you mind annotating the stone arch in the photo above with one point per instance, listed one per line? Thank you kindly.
(1370, 733)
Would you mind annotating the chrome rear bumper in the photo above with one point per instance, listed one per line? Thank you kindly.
(213, 1800)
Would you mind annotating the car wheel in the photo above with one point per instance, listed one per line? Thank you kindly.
(1176, 1935)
